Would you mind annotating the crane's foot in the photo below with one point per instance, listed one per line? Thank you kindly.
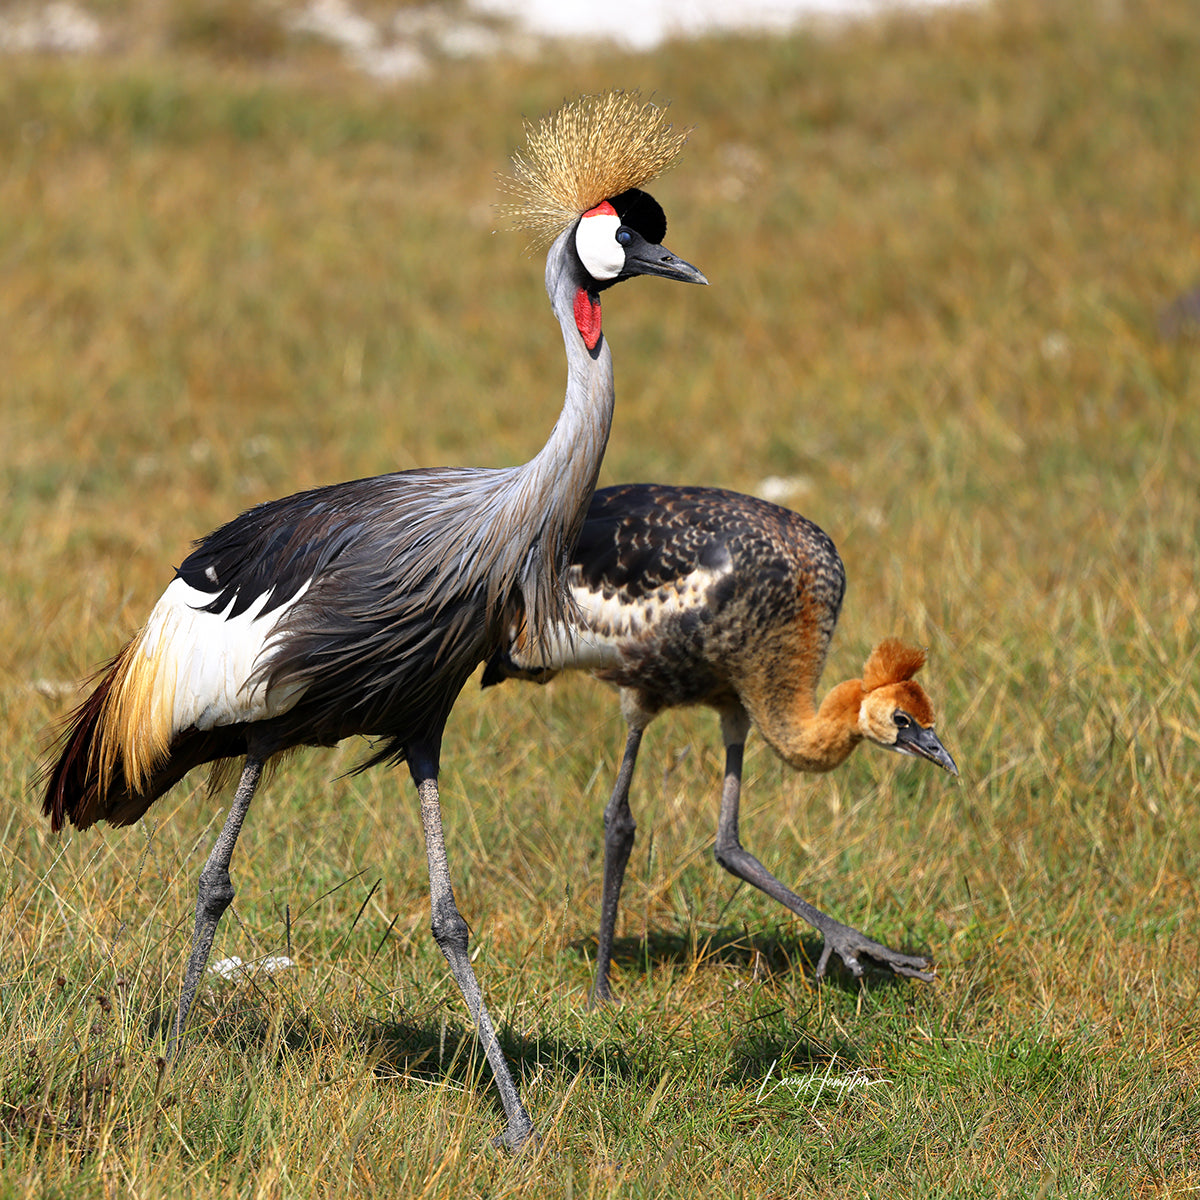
(520, 1136)
(848, 944)
(600, 996)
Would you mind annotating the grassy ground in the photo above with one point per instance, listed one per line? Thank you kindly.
(938, 252)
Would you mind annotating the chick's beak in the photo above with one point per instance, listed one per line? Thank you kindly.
(924, 743)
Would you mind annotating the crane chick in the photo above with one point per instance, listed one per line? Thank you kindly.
(688, 595)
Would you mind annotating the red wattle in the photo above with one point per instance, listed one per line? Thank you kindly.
(587, 317)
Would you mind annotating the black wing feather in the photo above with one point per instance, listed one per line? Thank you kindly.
(276, 547)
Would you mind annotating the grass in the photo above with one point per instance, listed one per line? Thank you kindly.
(938, 249)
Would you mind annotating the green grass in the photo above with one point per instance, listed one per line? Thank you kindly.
(938, 251)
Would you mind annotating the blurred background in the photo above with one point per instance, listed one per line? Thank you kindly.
(251, 247)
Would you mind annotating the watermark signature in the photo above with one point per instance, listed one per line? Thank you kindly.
(814, 1086)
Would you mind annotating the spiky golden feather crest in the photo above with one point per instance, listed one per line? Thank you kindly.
(588, 150)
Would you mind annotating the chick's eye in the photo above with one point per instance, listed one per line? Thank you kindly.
(902, 720)
(624, 236)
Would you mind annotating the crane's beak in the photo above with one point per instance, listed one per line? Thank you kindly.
(924, 743)
(647, 258)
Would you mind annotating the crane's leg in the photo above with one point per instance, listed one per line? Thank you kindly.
(451, 933)
(215, 896)
(619, 831)
(843, 940)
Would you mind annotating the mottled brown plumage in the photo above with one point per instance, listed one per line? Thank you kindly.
(704, 596)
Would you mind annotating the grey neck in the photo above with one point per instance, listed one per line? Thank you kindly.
(560, 480)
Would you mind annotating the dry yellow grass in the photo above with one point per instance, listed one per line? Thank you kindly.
(938, 252)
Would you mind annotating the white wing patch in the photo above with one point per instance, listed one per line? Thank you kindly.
(204, 660)
(608, 623)
(569, 649)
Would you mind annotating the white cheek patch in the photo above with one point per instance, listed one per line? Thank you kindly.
(596, 242)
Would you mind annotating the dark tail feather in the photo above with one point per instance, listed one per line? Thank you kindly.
(73, 783)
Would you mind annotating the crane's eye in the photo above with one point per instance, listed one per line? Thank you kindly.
(902, 720)
(624, 236)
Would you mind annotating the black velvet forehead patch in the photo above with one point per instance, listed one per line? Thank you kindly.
(642, 213)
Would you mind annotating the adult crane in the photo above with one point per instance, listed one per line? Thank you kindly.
(688, 595)
(363, 607)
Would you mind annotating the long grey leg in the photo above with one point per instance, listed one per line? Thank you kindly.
(843, 940)
(619, 831)
(451, 933)
(215, 896)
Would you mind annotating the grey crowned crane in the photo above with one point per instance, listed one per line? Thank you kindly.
(689, 595)
(363, 607)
